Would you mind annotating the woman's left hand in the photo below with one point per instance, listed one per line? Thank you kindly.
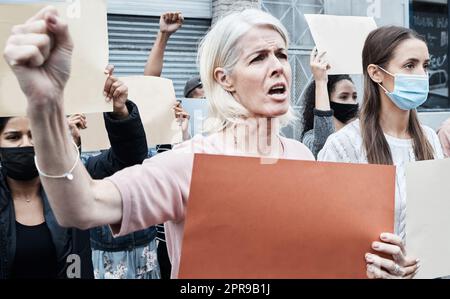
(401, 266)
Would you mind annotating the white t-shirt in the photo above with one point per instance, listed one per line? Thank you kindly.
(346, 146)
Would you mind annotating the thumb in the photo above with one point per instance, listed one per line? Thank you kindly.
(60, 30)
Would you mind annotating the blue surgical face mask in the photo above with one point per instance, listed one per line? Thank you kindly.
(410, 91)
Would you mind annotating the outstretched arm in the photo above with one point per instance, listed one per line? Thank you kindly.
(39, 53)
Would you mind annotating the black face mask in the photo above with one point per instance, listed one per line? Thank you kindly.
(344, 112)
(18, 163)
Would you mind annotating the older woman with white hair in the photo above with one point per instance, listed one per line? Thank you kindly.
(247, 79)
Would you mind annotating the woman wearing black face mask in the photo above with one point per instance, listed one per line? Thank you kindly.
(32, 244)
(330, 104)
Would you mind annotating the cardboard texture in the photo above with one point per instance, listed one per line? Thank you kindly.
(343, 39)
(428, 216)
(155, 98)
(88, 27)
(292, 219)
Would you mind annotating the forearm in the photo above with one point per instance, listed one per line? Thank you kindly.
(322, 98)
(156, 58)
(72, 201)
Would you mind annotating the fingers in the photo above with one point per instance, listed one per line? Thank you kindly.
(40, 41)
(60, 30)
(23, 55)
(114, 88)
(39, 26)
(109, 70)
(121, 90)
(173, 17)
(374, 272)
(108, 85)
(180, 112)
(78, 120)
(386, 265)
(393, 239)
(401, 257)
(28, 45)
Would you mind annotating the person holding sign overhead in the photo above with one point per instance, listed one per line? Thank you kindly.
(395, 64)
(330, 103)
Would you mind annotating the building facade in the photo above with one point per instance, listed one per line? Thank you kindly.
(134, 24)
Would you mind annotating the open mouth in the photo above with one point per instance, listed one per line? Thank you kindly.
(279, 89)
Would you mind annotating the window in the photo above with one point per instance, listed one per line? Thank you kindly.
(430, 19)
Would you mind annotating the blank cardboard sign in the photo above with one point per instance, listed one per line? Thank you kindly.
(291, 219)
(155, 98)
(343, 39)
(88, 27)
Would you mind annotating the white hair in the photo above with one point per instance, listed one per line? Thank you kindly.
(218, 49)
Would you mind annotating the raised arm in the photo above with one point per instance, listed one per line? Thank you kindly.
(39, 53)
(125, 131)
(169, 23)
(323, 115)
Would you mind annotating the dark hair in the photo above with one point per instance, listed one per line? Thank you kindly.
(3, 123)
(310, 99)
(379, 49)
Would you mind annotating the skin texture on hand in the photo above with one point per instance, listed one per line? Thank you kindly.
(117, 92)
(39, 53)
(183, 119)
(401, 266)
(170, 22)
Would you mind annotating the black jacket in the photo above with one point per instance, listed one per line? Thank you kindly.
(128, 147)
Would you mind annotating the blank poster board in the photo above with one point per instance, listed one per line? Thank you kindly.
(343, 38)
(155, 98)
(88, 27)
(428, 216)
(291, 219)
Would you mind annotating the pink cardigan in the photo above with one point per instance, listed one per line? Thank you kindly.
(157, 191)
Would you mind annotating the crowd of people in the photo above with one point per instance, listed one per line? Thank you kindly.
(123, 210)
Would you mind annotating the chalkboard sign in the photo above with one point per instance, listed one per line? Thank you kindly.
(431, 21)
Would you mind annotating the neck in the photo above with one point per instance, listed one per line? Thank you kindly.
(24, 189)
(393, 120)
(337, 124)
(255, 136)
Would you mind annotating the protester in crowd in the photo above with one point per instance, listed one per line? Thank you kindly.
(33, 244)
(169, 23)
(247, 79)
(395, 63)
(330, 103)
(133, 256)
(194, 88)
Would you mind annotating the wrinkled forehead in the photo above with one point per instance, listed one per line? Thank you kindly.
(260, 37)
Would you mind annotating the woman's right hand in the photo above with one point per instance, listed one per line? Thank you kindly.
(319, 66)
(39, 53)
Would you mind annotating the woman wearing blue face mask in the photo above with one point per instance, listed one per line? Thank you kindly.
(395, 63)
